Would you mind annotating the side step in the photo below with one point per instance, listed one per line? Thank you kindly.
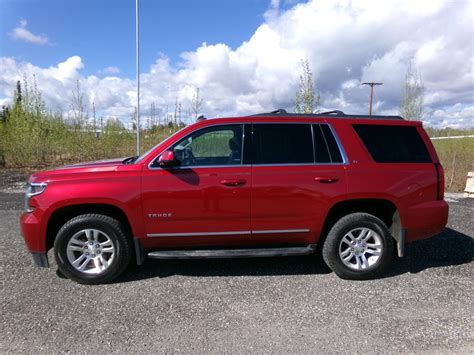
(232, 253)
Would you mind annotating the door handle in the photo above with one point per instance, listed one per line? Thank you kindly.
(233, 182)
(326, 179)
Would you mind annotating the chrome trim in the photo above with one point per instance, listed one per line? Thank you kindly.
(296, 164)
(276, 231)
(197, 234)
(345, 160)
(43, 185)
(199, 166)
(29, 195)
(244, 166)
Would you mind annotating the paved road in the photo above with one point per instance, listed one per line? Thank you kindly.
(257, 305)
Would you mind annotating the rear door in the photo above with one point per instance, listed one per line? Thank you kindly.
(295, 178)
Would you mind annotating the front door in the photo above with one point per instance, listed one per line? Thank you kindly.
(205, 200)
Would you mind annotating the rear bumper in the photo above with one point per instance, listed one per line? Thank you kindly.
(425, 220)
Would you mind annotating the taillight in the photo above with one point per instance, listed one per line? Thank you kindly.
(439, 181)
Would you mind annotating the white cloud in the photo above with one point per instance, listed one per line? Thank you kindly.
(23, 34)
(110, 70)
(346, 42)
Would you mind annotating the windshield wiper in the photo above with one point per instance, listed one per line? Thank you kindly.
(130, 160)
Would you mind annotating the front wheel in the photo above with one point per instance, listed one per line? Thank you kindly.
(92, 249)
(358, 247)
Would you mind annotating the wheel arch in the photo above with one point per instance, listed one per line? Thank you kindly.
(63, 214)
(383, 209)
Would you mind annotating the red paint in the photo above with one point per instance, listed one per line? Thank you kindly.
(241, 199)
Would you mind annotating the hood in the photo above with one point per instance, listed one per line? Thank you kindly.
(91, 164)
(99, 166)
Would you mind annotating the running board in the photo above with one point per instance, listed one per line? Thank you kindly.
(232, 253)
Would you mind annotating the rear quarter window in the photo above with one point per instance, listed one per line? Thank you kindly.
(393, 144)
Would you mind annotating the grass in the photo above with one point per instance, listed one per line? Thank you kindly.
(457, 158)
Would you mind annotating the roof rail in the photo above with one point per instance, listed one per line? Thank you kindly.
(333, 113)
(280, 111)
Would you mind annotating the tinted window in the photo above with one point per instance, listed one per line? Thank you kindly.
(336, 156)
(218, 145)
(321, 150)
(282, 144)
(393, 144)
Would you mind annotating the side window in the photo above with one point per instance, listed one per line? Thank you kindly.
(393, 144)
(326, 149)
(282, 144)
(332, 144)
(321, 150)
(218, 145)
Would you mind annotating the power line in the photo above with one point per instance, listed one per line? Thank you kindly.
(371, 84)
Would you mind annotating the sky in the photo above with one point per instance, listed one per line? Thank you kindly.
(244, 55)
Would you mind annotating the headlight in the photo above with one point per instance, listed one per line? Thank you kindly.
(33, 189)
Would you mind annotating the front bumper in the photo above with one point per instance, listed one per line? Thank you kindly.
(33, 233)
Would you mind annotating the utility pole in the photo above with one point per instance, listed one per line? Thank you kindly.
(371, 84)
(137, 42)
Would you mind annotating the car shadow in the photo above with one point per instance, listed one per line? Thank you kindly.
(449, 248)
(446, 249)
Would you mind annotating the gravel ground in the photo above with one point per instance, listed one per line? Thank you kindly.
(278, 305)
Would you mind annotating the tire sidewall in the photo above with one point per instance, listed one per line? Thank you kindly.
(338, 232)
(70, 229)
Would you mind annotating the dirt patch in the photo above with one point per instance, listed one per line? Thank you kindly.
(13, 181)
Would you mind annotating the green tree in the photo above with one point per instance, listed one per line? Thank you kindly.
(413, 95)
(306, 98)
(17, 96)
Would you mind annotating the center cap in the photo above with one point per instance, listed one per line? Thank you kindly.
(93, 248)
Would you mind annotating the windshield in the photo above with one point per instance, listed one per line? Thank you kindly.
(152, 149)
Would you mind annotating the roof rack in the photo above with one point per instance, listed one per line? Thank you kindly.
(334, 113)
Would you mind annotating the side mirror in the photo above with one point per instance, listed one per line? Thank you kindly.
(167, 159)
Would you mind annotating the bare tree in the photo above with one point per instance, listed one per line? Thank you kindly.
(77, 106)
(134, 118)
(177, 112)
(152, 119)
(413, 95)
(196, 103)
(94, 118)
(306, 99)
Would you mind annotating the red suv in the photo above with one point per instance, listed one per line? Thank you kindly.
(273, 184)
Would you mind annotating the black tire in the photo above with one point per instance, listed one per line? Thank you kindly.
(331, 247)
(112, 229)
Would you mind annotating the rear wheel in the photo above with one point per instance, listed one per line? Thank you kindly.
(92, 249)
(358, 247)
